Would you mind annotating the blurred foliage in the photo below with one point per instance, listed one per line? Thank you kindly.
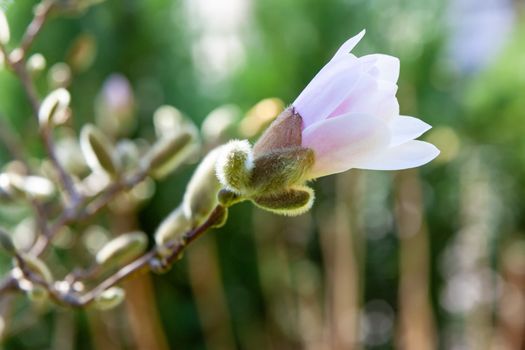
(270, 280)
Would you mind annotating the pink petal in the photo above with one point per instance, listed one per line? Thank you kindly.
(341, 141)
(403, 129)
(410, 154)
(384, 67)
(349, 45)
(370, 96)
(327, 90)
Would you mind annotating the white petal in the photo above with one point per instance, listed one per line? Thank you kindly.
(349, 45)
(410, 154)
(404, 129)
(327, 90)
(370, 96)
(384, 67)
(341, 141)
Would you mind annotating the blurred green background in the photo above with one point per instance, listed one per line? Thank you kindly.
(432, 258)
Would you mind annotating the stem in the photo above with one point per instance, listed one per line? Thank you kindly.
(42, 12)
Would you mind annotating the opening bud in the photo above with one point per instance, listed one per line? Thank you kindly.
(234, 166)
(291, 202)
(98, 150)
(109, 299)
(122, 250)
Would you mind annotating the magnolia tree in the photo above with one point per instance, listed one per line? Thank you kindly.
(347, 117)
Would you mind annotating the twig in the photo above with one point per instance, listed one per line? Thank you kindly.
(42, 12)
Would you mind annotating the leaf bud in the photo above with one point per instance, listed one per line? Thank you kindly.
(109, 299)
(98, 150)
(122, 249)
(291, 202)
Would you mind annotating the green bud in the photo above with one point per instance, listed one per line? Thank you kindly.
(7, 243)
(291, 202)
(168, 153)
(37, 266)
(98, 150)
(109, 299)
(171, 229)
(54, 108)
(234, 166)
(200, 197)
(122, 250)
(280, 169)
(5, 33)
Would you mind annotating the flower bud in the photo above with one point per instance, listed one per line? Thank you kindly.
(18, 186)
(121, 250)
(167, 121)
(234, 166)
(37, 266)
(54, 108)
(59, 75)
(6, 243)
(171, 229)
(291, 202)
(82, 52)
(109, 299)
(98, 150)
(201, 193)
(167, 154)
(5, 33)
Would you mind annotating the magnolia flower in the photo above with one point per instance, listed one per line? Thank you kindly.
(351, 116)
(347, 117)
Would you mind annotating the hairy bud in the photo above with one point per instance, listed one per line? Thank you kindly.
(234, 166)
(284, 132)
(281, 168)
(168, 153)
(55, 108)
(109, 299)
(228, 198)
(122, 249)
(171, 229)
(201, 193)
(98, 150)
(293, 201)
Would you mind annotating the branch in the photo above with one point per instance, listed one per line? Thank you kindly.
(42, 12)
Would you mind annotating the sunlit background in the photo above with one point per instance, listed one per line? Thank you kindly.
(432, 258)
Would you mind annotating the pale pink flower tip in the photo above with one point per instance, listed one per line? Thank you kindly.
(351, 116)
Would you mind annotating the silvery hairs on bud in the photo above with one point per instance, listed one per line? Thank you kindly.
(291, 202)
